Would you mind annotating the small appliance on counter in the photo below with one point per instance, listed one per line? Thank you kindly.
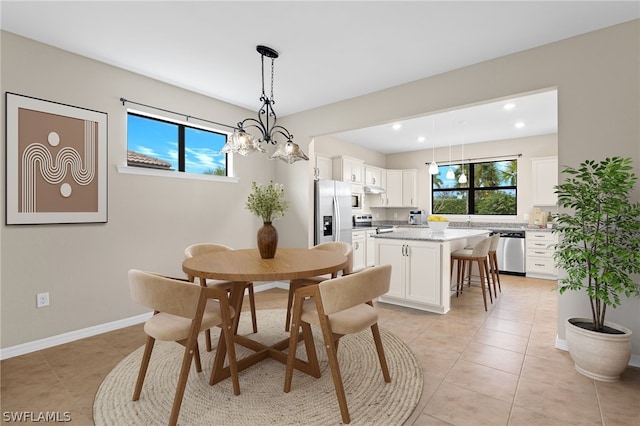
(417, 217)
(539, 218)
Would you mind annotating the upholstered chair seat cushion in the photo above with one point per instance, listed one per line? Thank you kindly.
(167, 327)
(466, 252)
(352, 320)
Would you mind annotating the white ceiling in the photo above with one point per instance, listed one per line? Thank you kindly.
(489, 121)
(329, 50)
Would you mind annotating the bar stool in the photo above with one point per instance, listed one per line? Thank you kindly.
(493, 264)
(465, 257)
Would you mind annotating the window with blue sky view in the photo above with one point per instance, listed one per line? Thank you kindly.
(159, 144)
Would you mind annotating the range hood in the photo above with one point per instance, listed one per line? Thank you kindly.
(373, 189)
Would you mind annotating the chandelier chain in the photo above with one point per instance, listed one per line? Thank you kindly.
(272, 74)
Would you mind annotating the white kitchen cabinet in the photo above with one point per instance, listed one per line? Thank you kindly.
(373, 175)
(544, 177)
(410, 188)
(371, 247)
(359, 247)
(415, 270)
(348, 169)
(323, 167)
(378, 177)
(402, 188)
(394, 188)
(539, 258)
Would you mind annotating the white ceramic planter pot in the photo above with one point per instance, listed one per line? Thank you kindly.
(600, 356)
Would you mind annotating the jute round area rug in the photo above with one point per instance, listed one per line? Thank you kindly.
(262, 401)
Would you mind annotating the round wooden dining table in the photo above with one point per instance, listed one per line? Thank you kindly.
(247, 265)
(244, 266)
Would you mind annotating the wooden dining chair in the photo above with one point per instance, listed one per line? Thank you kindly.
(203, 248)
(181, 310)
(334, 246)
(339, 306)
(466, 257)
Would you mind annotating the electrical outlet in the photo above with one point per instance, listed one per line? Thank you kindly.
(42, 300)
(395, 215)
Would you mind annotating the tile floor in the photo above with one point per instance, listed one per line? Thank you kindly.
(480, 368)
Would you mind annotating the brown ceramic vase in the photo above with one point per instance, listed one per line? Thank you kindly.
(267, 241)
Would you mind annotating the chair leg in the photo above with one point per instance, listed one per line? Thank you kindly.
(182, 383)
(148, 348)
(310, 347)
(462, 269)
(293, 286)
(293, 340)
(451, 274)
(337, 377)
(459, 277)
(484, 289)
(383, 360)
(491, 278)
(196, 358)
(332, 354)
(494, 265)
(252, 305)
(207, 339)
(485, 266)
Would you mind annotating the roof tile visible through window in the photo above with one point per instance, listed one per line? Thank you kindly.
(137, 159)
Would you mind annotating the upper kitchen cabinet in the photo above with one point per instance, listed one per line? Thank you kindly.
(402, 188)
(348, 169)
(373, 175)
(544, 178)
(323, 167)
(375, 186)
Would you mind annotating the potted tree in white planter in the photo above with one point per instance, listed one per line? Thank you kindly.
(599, 251)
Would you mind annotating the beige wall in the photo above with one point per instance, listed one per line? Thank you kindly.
(151, 220)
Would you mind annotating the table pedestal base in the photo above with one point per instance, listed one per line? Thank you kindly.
(262, 352)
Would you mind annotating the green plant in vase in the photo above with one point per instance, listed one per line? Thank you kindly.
(599, 252)
(267, 202)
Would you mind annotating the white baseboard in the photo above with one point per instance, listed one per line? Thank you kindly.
(72, 336)
(562, 345)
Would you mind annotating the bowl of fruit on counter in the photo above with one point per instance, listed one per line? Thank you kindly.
(437, 223)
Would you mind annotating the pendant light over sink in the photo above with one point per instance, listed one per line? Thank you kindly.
(463, 176)
(450, 174)
(433, 167)
(243, 143)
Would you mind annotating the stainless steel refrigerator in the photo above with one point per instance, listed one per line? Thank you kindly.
(332, 211)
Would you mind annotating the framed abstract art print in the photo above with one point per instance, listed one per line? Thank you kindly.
(56, 159)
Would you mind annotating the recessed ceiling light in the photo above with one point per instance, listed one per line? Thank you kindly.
(396, 126)
(509, 106)
(421, 139)
(519, 124)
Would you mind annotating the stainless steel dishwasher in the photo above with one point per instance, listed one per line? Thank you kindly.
(511, 252)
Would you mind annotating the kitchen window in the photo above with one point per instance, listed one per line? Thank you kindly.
(154, 143)
(491, 189)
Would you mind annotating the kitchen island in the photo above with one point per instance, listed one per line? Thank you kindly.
(421, 265)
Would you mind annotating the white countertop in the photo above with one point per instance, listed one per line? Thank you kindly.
(425, 234)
